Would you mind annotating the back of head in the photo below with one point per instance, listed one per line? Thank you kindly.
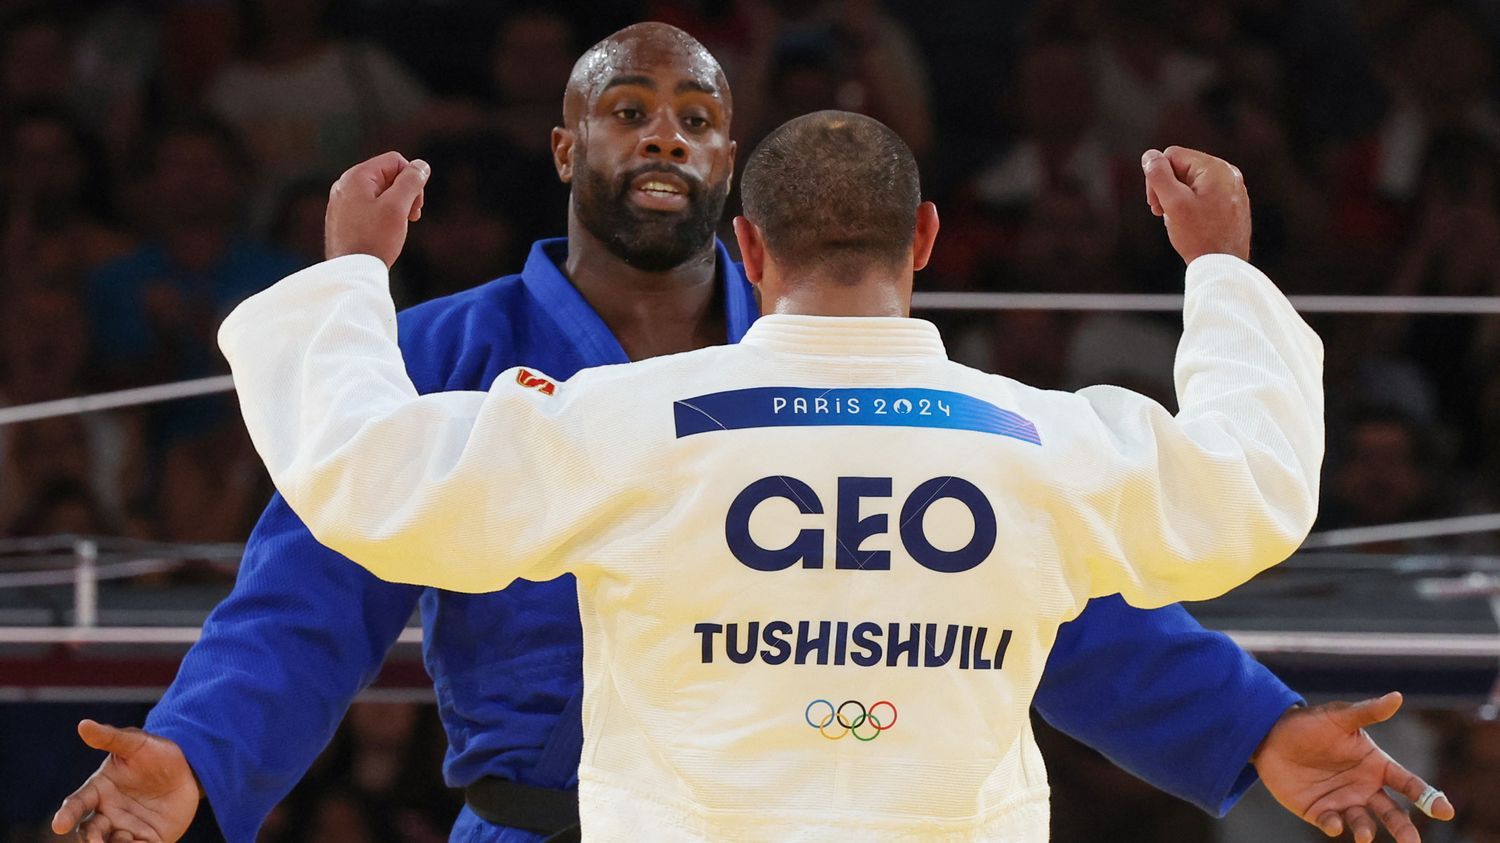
(835, 194)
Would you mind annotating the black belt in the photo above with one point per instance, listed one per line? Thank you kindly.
(514, 805)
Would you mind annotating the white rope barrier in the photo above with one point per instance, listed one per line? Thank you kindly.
(1354, 536)
(115, 546)
(70, 576)
(116, 400)
(1374, 644)
(1169, 303)
(129, 635)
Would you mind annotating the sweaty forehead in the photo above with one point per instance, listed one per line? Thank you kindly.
(673, 57)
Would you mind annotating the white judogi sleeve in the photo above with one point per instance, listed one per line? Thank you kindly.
(418, 489)
(1186, 508)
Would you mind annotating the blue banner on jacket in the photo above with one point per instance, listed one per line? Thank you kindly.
(790, 406)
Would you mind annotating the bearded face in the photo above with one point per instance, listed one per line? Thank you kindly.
(643, 235)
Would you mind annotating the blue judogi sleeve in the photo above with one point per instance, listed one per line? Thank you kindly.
(1171, 702)
(262, 692)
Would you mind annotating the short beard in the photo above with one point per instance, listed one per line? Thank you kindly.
(651, 241)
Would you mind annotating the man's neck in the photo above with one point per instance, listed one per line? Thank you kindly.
(875, 295)
(650, 313)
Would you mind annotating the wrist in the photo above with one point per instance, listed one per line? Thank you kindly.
(1265, 744)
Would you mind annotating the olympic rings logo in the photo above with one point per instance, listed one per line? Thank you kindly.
(845, 724)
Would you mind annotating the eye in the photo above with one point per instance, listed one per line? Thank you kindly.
(629, 115)
(696, 123)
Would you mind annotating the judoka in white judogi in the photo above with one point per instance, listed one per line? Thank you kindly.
(819, 571)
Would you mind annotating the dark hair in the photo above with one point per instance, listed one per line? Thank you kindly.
(94, 191)
(200, 125)
(1454, 161)
(833, 188)
(32, 520)
(1426, 447)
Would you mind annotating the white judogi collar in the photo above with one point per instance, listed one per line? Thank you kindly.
(861, 336)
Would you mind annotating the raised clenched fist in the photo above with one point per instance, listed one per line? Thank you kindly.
(370, 205)
(1202, 199)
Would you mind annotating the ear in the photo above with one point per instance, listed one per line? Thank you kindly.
(752, 248)
(562, 153)
(926, 235)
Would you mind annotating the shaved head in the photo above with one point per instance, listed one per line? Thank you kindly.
(645, 144)
(637, 46)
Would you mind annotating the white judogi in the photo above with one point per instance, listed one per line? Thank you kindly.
(820, 571)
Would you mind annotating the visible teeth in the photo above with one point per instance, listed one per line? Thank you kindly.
(658, 187)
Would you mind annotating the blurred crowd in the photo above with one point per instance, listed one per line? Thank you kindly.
(163, 159)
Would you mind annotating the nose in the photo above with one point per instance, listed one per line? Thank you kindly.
(661, 140)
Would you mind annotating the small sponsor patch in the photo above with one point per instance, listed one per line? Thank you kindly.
(525, 378)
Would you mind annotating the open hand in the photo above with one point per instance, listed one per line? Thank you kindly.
(1321, 765)
(144, 791)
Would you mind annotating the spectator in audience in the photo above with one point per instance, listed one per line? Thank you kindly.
(376, 766)
(308, 102)
(198, 40)
(1141, 71)
(1455, 251)
(297, 224)
(1056, 138)
(63, 507)
(805, 55)
(470, 230)
(530, 57)
(510, 130)
(391, 744)
(36, 61)
(58, 224)
(39, 457)
(153, 312)
(44, 345)
(1384, 470)
(342, 815)
(43, 351)
(533, 55)
(1440, 82)
(117, 55)
(210, 488)
(1470, 769)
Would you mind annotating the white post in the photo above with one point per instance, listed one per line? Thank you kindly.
(86, 585)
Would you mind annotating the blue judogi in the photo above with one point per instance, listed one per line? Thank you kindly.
(262, 692)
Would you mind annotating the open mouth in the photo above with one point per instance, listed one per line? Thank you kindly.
(659, 191)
